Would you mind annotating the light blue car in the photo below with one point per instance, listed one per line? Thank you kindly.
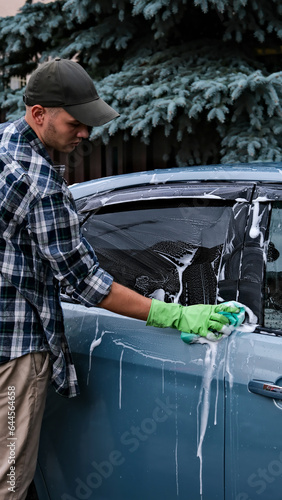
(158, 419)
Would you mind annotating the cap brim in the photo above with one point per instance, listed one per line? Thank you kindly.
(93, 113)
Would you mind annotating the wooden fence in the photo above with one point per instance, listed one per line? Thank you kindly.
(92, 160)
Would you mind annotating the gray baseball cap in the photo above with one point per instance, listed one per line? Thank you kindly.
(65, 84)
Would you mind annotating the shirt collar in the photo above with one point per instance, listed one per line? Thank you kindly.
(30, 136)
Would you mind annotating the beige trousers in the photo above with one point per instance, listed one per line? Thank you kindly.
(23, 387)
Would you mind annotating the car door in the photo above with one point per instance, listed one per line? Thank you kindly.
(253, 451)
(149, 422)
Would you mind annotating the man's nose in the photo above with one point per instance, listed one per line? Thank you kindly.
(83, 131)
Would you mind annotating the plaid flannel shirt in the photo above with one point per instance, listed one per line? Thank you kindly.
(41, 248)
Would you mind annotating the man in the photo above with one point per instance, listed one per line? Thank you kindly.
(41, 248)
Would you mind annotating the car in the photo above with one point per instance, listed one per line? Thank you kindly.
(158, 418)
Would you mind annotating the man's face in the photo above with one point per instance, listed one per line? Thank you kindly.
(61, 131)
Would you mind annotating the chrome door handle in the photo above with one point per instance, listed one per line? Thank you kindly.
(267, 389)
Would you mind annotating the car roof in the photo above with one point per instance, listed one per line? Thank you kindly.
(265, 172)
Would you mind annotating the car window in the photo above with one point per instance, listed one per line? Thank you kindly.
(170, 250)
(273, 281)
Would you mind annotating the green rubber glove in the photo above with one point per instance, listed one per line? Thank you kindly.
(235, 320)
(200, 319)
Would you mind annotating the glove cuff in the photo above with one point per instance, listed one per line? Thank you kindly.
(164, 315)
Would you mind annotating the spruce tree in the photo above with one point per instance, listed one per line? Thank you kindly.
(204, 74)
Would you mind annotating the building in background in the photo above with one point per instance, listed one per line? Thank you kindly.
(11, 7)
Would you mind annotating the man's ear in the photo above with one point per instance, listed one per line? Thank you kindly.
(38, 114)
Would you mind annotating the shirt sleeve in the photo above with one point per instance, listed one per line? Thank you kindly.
(54, 227)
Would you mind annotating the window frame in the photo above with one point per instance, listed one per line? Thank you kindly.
(265, 194)
(238, 192)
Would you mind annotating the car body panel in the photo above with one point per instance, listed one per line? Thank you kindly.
(157, 418)
(145, 408)
(253, 422)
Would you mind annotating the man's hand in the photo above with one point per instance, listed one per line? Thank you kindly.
(210, 321)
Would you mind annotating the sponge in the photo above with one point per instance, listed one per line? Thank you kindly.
(235, 320)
